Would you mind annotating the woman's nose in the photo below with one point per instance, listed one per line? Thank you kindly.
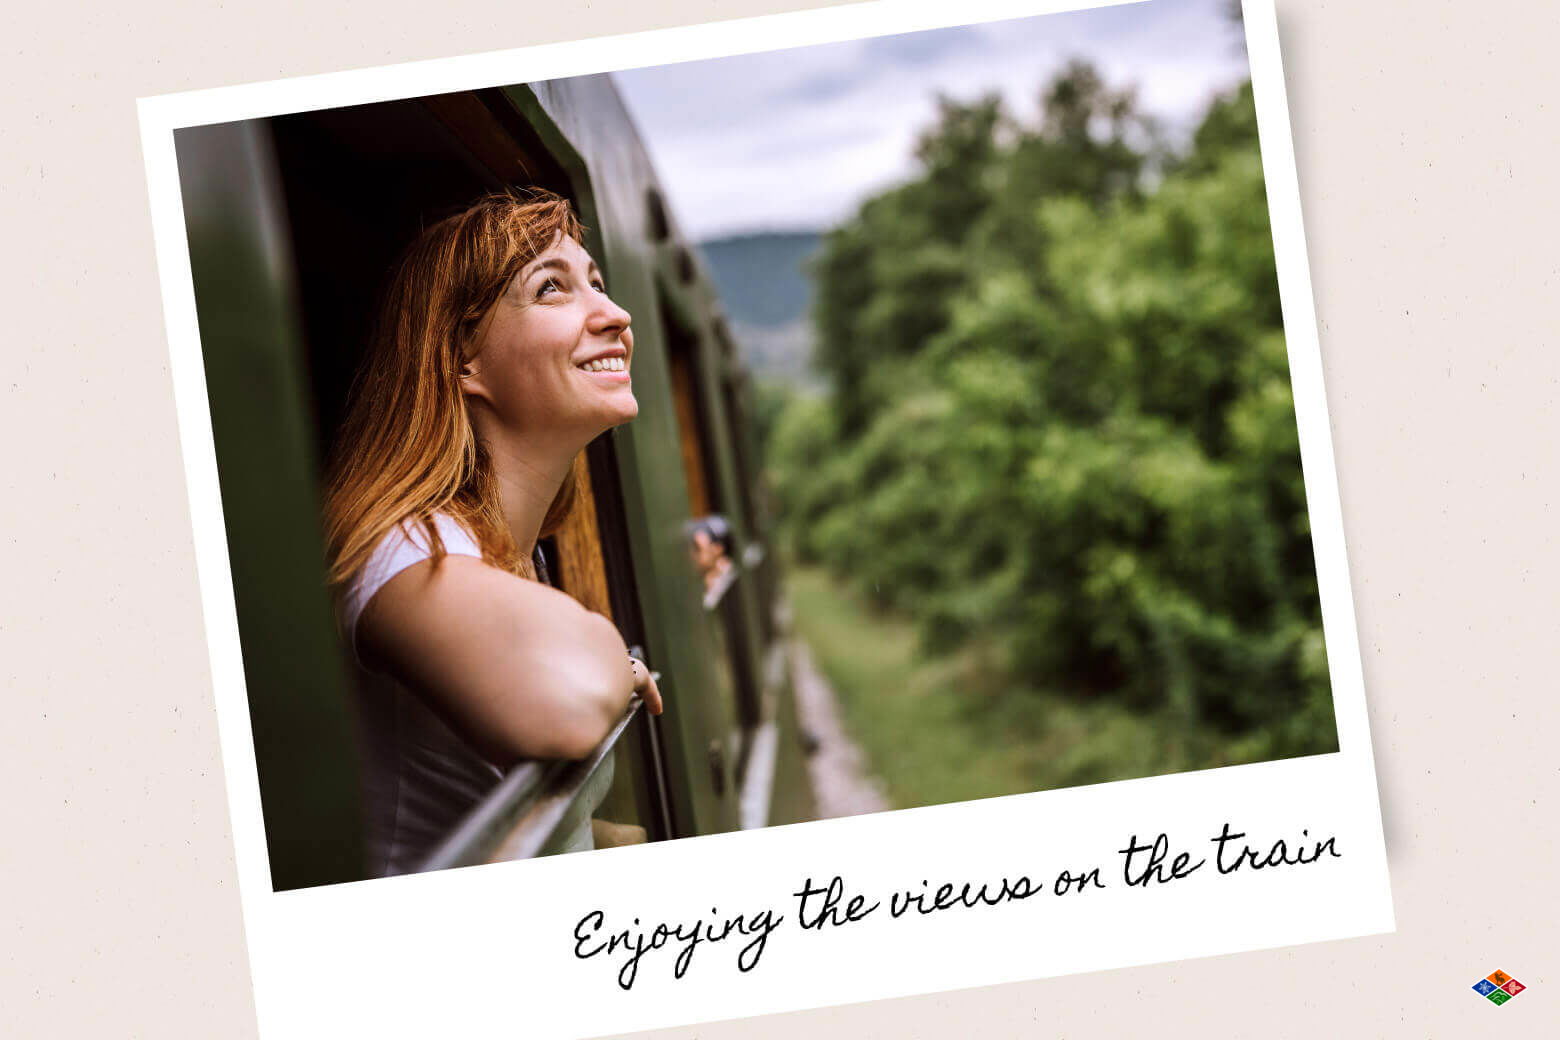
(609, 317)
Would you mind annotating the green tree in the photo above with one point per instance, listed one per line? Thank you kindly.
(1060, 421)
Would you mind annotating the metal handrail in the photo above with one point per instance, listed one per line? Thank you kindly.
(528, 812)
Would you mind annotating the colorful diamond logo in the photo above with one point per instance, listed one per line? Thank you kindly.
(1497, 987)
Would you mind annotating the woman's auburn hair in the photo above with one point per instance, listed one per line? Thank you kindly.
(406, 449)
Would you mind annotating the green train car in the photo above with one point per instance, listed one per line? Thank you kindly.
(294, 222)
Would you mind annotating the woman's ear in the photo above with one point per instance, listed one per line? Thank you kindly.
(471, 382)
(472, 353)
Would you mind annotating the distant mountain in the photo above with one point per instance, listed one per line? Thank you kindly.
(766, 292)
(761, 277)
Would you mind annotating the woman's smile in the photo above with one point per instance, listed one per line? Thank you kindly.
(611, 365)
(612, 370)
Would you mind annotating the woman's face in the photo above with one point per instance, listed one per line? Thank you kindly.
(555, 355)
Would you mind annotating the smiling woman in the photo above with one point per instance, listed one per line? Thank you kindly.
(498, 357)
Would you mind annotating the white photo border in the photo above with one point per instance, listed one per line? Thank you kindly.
(460, 950)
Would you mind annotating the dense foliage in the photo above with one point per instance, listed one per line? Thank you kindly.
(1059, 420)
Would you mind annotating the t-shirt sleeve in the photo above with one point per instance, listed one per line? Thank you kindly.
(406, 544)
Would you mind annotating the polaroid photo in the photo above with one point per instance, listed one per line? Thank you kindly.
(765, 514)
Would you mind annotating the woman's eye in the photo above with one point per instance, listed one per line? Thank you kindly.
(551, 283)
(599, 285)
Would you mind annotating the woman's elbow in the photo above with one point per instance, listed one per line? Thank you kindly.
(569, 705)
(559, 742)
(578, 737)
(575, 728)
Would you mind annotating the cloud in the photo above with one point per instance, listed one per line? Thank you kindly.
(921, 47)
(798, 138)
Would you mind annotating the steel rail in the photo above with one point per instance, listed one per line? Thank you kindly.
(528, 812)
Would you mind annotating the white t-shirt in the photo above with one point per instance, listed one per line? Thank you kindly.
(419, 777)
(405, 545)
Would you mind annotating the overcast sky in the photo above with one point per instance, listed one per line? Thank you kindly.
(796, 139)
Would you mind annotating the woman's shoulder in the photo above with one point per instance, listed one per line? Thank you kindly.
(402, 546)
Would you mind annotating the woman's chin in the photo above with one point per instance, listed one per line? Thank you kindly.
(621, 409)
(630, 411)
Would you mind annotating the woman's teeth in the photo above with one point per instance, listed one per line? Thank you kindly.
(614, 364)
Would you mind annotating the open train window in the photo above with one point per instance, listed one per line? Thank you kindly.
(681, 361)
(359, 185)
(294, 225)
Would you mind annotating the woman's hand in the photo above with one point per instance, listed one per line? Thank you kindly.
(644, 685)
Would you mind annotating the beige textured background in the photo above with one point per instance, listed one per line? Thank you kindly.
(1427, 134)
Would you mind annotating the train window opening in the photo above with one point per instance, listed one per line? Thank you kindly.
(682, 361)
(295, 223)
(359, 185)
